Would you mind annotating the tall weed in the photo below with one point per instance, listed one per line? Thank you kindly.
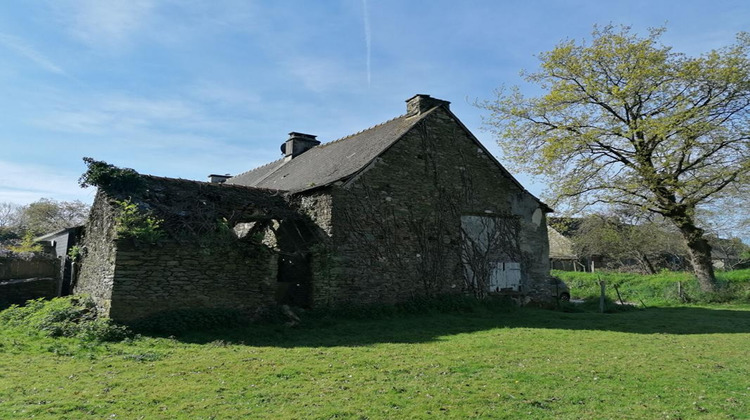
(70, 316)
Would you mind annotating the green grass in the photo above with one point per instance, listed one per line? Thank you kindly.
(676, 362)
(659, 289)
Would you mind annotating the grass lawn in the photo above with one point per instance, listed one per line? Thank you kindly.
(677, 362)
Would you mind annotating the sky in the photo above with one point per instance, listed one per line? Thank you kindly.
(187, 88)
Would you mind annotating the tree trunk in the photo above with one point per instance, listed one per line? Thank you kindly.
(700, 254)
(647, 263)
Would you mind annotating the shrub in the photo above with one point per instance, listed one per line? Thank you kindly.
(70, 316)
(136, 224)
(102, 329)
(26, 245)
(110, 177)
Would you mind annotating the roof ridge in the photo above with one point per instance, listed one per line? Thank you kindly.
(217, 185)
(258, 167)
(362, 131)
(324, 144)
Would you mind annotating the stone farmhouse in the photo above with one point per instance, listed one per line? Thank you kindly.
(415, 206)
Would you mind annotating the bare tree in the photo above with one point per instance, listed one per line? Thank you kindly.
(9, 215)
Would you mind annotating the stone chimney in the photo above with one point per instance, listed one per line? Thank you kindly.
(297, 144)
(420, 103)
(218, 179)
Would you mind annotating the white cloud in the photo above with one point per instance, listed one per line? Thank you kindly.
(84, 122)
(23, 184)
(110, 23)
(21, 47)
(119, 113)
(323, 75)
(149, 109)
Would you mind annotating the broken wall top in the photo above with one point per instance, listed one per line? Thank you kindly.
(186, 206)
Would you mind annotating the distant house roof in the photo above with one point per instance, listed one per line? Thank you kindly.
(330, 162)
(48, 236)
(560, 247)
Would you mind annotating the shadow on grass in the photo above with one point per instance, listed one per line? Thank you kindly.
(323, 332)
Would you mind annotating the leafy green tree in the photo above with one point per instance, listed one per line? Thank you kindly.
(624, 120)
(47, 215)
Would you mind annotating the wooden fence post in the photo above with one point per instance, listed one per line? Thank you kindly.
(618, 294)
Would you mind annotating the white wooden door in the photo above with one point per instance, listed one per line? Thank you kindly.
(505, 275)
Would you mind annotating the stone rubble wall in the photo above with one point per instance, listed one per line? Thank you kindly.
(130, 280)
(173, 276)
(23, 268)
(435, 174)
(19, 291)
(391, 233)
(97, 267)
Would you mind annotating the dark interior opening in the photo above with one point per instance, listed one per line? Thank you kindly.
(294, 285)
(294, 280)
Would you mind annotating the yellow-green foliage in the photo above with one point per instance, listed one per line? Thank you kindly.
(625, 120)
(136, 224)
(27, 244)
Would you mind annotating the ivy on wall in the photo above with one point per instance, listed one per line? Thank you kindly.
(110, 177)
(137, 224)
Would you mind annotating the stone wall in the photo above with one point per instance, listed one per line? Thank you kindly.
(227, 273)
(397, 225)
(23, 268)
(325, 262)
(19, 291)
(97, 269)
(199, 262)
(317, 206)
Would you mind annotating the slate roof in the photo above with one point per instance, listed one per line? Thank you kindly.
(325, 164)
(330, 162)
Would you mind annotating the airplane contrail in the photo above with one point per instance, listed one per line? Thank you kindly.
(366, 18)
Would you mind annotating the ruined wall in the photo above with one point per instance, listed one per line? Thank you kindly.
(198, 261)
(24, 268)
(19, 291)
(317, 206)
(97, 268)
(397, 229)
(324, 260)
(227, 273)
(22, 279)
